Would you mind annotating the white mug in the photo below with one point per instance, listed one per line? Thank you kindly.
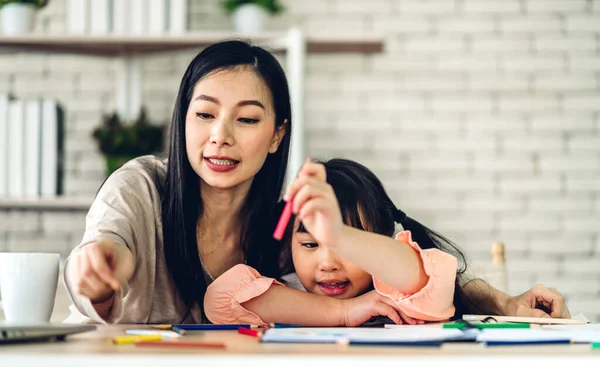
(28, 286)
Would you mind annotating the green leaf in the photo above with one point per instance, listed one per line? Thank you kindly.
(273, 7)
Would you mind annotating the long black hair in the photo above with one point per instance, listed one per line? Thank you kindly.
(181, 200)
(365, 204)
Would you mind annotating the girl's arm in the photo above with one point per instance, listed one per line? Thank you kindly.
(315, 203)
(396, 264)
(287, 305)
(291, 306)
(241, 295)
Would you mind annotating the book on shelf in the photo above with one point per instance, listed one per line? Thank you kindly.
(120, 21)
(127, 17)
(52, 149)
(78, 16)
(16, 148)
(101, 17)
(31, 160)
(139, 17)
(178, 16)
(158, 16)
(32, 148)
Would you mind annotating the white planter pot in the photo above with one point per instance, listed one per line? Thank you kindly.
(17, 18)
(250, 18)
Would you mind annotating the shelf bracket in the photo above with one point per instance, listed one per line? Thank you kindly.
(296, 64)
(128, 87)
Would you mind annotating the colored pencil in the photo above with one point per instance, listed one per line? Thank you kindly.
(277, 325)
(283, 220)
(129, 339)
(213, 326)
(250, 332)
(461, 325)
(179, 331)
(164, 333)
(531, 342)
(162, 327)
(425, 343)
(285, 216)
(181, 344)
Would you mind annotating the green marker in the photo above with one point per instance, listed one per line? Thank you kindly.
(461, 325)
(596, 345)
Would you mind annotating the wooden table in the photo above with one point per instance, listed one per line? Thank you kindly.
(94, 349)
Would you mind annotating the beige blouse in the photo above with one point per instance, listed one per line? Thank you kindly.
(127, 210)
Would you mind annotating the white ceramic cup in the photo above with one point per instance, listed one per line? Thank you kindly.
(28, 286)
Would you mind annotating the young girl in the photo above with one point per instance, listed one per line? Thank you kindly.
(342, 247)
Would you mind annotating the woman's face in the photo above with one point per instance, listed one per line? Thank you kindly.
(230, 128)
(322, 271)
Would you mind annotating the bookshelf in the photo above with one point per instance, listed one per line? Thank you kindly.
(129, 51)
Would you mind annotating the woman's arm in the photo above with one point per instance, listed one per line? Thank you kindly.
(107, 274)
(539, 301)
(97, 271)
(488, 299)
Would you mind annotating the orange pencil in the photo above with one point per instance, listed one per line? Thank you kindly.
(250, 332)
(181, 344)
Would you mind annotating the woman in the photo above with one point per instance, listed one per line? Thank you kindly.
(159, 231)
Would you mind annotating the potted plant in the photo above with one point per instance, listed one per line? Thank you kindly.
(120, 142)
(18, 15)
(250, 16)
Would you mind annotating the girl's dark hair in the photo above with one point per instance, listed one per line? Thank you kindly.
(181, 201)
(365, 204)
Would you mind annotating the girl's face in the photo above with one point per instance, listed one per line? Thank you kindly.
(322, 271)
(230, 128)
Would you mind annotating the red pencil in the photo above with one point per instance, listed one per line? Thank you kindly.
(250, 332)
(181, 344)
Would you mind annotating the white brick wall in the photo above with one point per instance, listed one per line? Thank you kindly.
(481, 117)
(555, 6)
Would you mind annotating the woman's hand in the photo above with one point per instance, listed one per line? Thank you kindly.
(98, 270)
(539, 301)
(356, 311)
(316, 205)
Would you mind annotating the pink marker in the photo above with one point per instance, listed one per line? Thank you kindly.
(285, 216)
(283, 220)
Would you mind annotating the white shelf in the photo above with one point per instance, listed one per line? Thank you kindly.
(116, 45)
(58, 203)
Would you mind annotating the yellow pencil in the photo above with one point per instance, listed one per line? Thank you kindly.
(131, 339)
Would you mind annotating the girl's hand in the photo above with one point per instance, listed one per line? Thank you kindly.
(315, 204)
(99, 269)
(358, 310)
